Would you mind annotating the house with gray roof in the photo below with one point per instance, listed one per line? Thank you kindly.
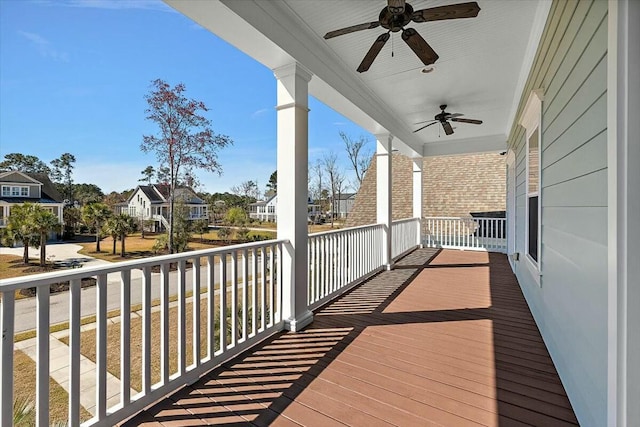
(151, 203)
(17, 188)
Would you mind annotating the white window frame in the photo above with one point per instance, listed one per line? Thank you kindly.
(531, 120)
(15, 191)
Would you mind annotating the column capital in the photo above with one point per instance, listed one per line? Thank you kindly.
(292, 69)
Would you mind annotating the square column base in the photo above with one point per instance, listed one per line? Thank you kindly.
(296, 325)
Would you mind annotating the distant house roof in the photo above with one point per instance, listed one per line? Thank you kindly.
(346, 196)
(48, 193)
(49, 190)
(151, 193)
(159, 193)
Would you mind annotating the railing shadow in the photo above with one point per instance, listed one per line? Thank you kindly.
(261, 384)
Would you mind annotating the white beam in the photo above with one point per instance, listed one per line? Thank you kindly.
(484, 144)
(417, 194)
(293, 150)
(623, 178)
(383, 194)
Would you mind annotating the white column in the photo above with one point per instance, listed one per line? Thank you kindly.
(383, 199)
(623, 245)
(417, 196)
(293, 111)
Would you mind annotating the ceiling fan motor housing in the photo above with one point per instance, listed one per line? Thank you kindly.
(395, 22)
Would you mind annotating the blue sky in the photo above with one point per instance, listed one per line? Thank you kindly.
(73, 75)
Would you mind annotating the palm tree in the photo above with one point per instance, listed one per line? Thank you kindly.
(110, 227)
(125, 226)
(95, 214)
(43, 222)
(20, 228)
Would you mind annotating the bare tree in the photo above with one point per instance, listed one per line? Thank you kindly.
(185, 137)
(247, 189)
(336, 179)
(359, 157)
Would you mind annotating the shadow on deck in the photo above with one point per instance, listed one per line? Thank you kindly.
(446, 338)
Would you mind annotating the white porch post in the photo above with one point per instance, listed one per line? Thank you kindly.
(293, 81)
(623, 175)
(383, 199)
(417, 196)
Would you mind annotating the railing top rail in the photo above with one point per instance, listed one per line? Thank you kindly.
(53, 277)
(341, 230)
(462, 217)
(398, 221)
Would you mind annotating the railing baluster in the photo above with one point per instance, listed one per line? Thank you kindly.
(279, 289)
(146, 330)
(74, 353)
(42, 350)
(254, 291)
(234, 298)
(223, 302)
(125, 337)
(182, 318)
(7, 325)
(101, 347)
(164, 322)
(263, 289)
(197, 345)
(245, 296)
(272, 297)
(211, 290)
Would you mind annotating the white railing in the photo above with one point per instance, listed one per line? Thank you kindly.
(465, 233)
(404, 236)
(341, 258)
(234, 297)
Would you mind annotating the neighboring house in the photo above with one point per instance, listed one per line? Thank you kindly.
(267, 210)
(452, 186)
(264, 210)
(151, 203)
(344, 204)
(17, 188)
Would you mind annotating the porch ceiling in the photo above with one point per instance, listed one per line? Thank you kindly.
(483, 63)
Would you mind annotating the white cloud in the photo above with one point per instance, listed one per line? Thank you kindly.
(45, 47)
(261, 112)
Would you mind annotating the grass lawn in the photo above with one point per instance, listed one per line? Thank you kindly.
(136, 247)
(24, 383)
(12, 266)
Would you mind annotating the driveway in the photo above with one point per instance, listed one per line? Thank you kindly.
(59, 253)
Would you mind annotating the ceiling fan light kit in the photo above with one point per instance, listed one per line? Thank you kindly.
(395, 16)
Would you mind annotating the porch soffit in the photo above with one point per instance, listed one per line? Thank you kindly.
(483, 62)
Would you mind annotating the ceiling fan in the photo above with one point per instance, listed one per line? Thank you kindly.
(395, 16)
(444, 118)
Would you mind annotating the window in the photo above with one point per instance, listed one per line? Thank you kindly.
(533, 181)
(531, 121)
(15, 191)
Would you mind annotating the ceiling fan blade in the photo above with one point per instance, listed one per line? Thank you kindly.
(419, 46)
(453, 11)
(396, 7)
(447, 128)
(424, 121)
(472, 121)
(426, 126)
(351, 29)
(375, 49)
(451, 115)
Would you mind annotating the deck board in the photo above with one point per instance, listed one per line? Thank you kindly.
(446, 338)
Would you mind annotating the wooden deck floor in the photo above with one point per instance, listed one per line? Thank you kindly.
(444, 339)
